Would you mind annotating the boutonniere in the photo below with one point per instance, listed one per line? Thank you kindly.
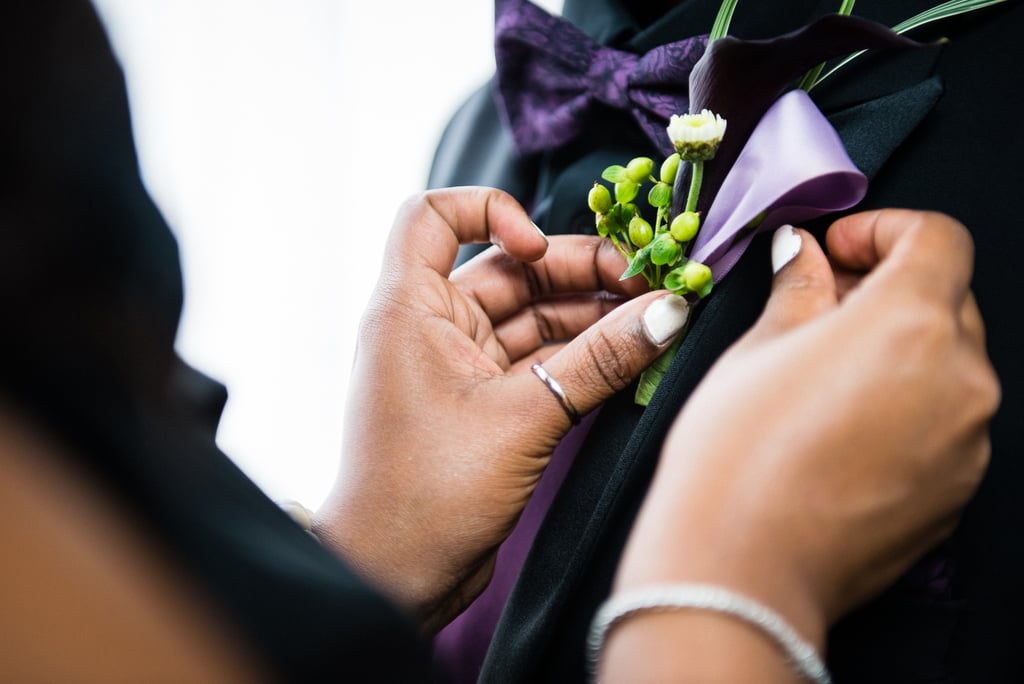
(753, 153)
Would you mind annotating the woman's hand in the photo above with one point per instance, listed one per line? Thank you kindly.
(831, 447)
(448, 431)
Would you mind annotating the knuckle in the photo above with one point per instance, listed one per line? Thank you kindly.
(802, 281)
(930, 226)
(985, 392)
(419, 201)
(929, 325)
(546, 330)
(610, 362)
(919, 334)
(983, 457)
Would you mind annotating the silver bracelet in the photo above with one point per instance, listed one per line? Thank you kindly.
(673, 597)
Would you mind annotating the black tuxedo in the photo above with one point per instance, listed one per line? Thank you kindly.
(933, 129)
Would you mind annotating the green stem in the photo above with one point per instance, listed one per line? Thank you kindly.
(941, 11)
(695, 180)
(722, 20)
(622, 250)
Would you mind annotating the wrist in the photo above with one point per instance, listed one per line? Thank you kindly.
(404, 575)
(709, 602)
(690, 646)
(710, 544)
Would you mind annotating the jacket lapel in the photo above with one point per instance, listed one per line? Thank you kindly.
(873, 130)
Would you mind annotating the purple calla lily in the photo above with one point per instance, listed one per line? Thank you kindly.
(741, 79)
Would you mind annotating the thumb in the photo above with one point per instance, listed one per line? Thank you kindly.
(804, 286)
(610, 354)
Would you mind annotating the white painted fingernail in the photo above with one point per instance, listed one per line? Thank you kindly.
(785, 246)
(665, 317)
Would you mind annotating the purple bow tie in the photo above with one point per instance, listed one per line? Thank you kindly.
(550, 74)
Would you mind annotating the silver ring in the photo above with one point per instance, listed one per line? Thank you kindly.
(558, 392)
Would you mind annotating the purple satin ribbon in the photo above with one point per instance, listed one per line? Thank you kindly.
(551, 75)
(792, 169)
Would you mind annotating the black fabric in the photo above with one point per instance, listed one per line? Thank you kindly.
(90, 295)
(936, 129)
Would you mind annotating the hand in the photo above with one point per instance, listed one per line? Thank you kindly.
(448, 431)
(835, 443)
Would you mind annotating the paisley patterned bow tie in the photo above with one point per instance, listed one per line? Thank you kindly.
(551, 74)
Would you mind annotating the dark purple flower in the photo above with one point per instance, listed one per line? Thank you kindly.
(741, 79)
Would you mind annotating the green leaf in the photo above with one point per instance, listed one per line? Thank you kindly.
(706, 290)
(941, 11)
(652, 377)
(614, 174)
(639, 261)
(722, 20)
(674, 279)
(660, 195)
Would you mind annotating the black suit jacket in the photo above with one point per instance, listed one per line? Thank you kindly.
(934, 129)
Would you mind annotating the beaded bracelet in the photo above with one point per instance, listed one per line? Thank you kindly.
(672, 597)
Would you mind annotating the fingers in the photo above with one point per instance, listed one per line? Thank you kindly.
(916, 252)
(533, 327)
(573, 264)
(804, 286)
(430, 227)
(613, 352)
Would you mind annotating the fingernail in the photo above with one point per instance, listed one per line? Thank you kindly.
(785, 246)
(540, 231)
(665, 317)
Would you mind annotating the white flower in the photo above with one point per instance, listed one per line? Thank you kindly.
(696, 137)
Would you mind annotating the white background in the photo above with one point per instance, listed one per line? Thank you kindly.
(278, 137)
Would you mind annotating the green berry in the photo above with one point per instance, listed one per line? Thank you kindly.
(665, 250)
(599, 199)
(626, 191)
(640, 231)
(669, 168)
(696, 276)
(639, 169)
(684, 227)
